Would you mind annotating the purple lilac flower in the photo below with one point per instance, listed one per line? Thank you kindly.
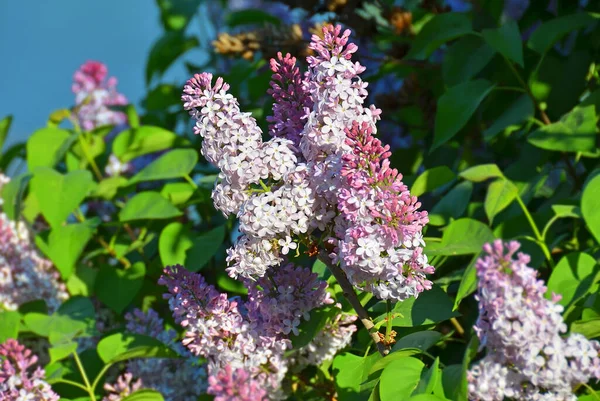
(20, 378)
(293, 184)
(24, 275)
(123, 387)
(278, 301)
(217, 330)
(171, 377)
(94, 94)
(235, 385)
(527, 356)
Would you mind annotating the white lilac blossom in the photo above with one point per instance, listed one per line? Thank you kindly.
(25, 275)
(169, 376)
(527, 355)
(323, 173)
(21, 379)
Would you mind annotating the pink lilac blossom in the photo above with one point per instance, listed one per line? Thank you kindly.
(235, 385)
(24, 275)
(94, 94)
(217, 330)
(123, 387)
(321, 174)
(170, 376)
(20, 378)
(528, 357)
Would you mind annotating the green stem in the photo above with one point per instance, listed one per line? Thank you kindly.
(89, 158)
(536, 231)
(262, 184)
(71, 383)
(102, 372)
(190, 181)
(88, 387)
(591, 390)
(388, 327)
(547, 227)
(510, 88)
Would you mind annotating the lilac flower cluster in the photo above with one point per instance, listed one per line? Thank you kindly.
(527, 358)
(321, 174)
(24, 275)
(171, 377)
(94, 94)
(20, 378)
(123, 387)
(243, 339)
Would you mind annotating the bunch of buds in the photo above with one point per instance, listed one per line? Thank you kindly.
(528, 357)
(322, 178)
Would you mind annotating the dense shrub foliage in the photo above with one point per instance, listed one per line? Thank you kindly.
(347, 200)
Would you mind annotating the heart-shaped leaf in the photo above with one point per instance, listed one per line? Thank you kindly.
(148, 205)
(174, 164)
(118, 287)
(122, 346)
(61, 194)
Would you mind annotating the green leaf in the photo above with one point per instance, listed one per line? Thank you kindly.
(575, 132)
(117, 287)
(10, 322)
(589, 206)
(73, 318)
(432, 306)
(177, 245)
(175, 239)
(145, 139)
(204, 247)
(165, 51)
(174, 164)
(308, 329)
(452, 205)
(422, 340)
(148, 205)
(551, 31)
(177, 192)
(108, 187)
(349, 371)
(506, 40)
(427, 397)
(566, 211)
(251, 16)
(61, 194)
(122, 346)
(176, 14)
(500, 194)
(462, 237)
(12, 195)
(455, 108)
(145, 395)
(394, 356)
(572, 277)
(391, 387)
(593, 396)
(521, 110)
(5, 124)
(82, 282)
(431, 179)
(468, 282)
(589, 328)
(61, 351)
(465, 59)
(65, 244)
(481, 173)
(437, 31)
(44, 147)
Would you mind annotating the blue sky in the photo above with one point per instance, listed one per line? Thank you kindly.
(44, 42)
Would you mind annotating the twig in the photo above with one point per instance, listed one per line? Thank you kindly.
(350, 295)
